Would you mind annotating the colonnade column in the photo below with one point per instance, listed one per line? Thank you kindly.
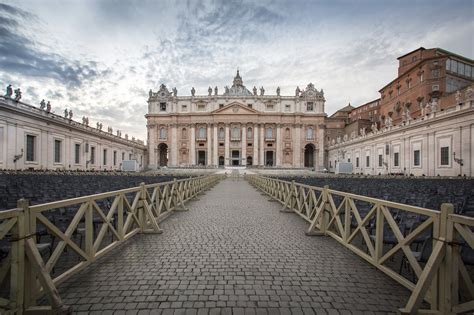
(192, 147)
(209, 144)
(152, 146)
(297, 146)
(244, 146)
(174, 145)
(262, 145)
(321, 136)
(255, 144)
(226, 145)
(214, 143)
(278, 146)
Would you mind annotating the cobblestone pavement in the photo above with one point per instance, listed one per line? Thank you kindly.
(234, 252)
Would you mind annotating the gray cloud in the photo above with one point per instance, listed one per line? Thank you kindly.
(20, 54)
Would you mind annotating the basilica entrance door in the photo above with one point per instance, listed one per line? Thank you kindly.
(309, 155)
(235, 158)
(269, 158)
(163, 154)
(201, 158)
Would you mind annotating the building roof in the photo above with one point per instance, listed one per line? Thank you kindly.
(421, 48)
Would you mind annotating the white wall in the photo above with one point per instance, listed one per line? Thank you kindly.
(453, 128)
(18, 120)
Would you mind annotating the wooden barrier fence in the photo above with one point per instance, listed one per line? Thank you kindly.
(440, 284)
(122, 213)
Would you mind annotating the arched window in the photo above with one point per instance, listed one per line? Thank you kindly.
(269, 133)
(309, 133)
(163, 133)
(249, 133)
(202, 133)
(287, 133)
(235, 133)
(221, 133)
(184, 133)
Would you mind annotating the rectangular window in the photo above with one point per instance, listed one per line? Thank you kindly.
(184, 108)
(163, 107)
(123, 156)
(92, 155)
(380, 160)
(416, 158)
(115, 158)
(444, 155)
(357, 161)
(448, 64)
(77, 153)
(221, 105)
(30, 148)
(249, 105)
(105, 156)
(367, 161)
(309, 106)
(396, 157)
(57, 151)
(130, 156)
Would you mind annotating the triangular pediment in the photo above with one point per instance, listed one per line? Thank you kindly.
(235, 108)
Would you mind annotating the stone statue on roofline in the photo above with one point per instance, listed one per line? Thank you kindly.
(150, 93)
(175, 91)
(216, 91)
(254, 90)
(42, 104)
(17, 94)
(209, 90)
(298, 91)
(262, 91)
(193, 91)
(374, 127)
(226, 89)
(388, 121)
(70, 114)
(458, 96)
(66, 113)
(48, 107)
(434, 105)
(9, 91)
(278, 91)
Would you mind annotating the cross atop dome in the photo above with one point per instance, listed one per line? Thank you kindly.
(238, 88)
(238, 80)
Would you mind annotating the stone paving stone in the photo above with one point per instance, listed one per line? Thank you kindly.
(233, 252)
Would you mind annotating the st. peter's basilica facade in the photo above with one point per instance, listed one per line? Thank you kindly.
(236, 128)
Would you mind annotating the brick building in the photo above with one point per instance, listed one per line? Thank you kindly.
(424, 77)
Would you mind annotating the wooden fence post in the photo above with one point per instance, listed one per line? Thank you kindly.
(446, 266)
(17, 262)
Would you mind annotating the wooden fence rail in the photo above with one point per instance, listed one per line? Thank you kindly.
(373, 229)
(120, 214)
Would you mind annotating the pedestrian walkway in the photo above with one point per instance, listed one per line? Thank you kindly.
(233, 252)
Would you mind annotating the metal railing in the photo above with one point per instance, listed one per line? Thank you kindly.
(364, 225)
(122, 214)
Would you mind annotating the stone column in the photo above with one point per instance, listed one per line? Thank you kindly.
(321, 135)
(278, 146)
(226, 145)
(297, 146)
(174, 145)
(244, 145)
(262, 145)
(192, 147)
(255, 144)
(215, 141)
(209, 144)
(152, 146)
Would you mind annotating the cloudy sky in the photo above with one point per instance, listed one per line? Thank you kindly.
(101, 58)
